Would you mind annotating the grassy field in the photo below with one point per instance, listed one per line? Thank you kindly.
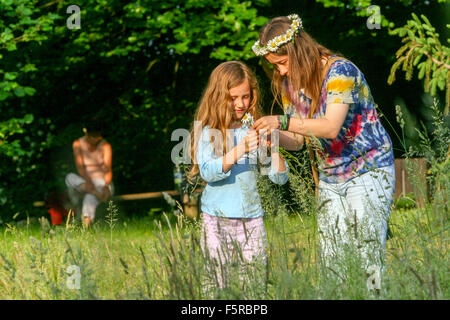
(161, 259)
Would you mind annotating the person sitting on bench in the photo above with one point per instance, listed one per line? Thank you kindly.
(93, 160)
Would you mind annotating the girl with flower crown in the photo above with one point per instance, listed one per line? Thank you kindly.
(327, 97)
(221, 147)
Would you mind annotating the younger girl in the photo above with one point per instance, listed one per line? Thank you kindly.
(220, 147)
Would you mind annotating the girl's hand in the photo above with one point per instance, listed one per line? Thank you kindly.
(265, 138)
(250, 142)
(267, 123)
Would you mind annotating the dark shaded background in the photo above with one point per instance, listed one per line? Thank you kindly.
(141, 108)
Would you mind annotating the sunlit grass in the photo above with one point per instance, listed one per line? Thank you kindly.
(132, 264)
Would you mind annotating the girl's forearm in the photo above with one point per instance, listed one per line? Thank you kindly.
(320, 128)
(291, 140)
(278, 164)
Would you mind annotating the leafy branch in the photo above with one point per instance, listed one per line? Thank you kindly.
(422, 41)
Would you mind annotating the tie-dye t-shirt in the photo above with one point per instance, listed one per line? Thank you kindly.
(362, 143)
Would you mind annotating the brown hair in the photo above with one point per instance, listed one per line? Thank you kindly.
(305, 65)
(216, 106)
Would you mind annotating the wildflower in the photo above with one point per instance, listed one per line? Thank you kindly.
(248, 120)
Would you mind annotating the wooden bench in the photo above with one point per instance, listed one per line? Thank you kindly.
(190, 206)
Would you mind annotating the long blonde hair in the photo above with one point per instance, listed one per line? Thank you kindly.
(216, 106)
(305, 65)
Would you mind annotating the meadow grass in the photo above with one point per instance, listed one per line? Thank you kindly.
(161, 259)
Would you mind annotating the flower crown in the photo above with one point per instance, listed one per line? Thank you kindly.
(276, 42)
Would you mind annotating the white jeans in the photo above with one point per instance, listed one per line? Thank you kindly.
(354, 219)
(90, 202)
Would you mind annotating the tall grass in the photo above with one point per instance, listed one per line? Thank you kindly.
(163, 258)
(147, 261)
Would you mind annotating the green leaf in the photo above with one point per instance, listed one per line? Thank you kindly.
(422, 68)
(29, 68)
(30, 91)
(428, 28)
(433, 84)
(19, 92)
(417, 59)
(425, 19)
(3, 95)
(441, 83)
(11, 46)
(259, 21)
(10, 75)
(28, 118)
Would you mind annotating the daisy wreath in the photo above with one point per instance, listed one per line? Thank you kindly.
(275, 43)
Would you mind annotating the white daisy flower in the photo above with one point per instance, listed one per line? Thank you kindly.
(248, 120)
(272, 46)
(256, 48)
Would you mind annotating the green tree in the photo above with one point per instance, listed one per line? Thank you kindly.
(22, 22)
(423, 50)
(140, 64)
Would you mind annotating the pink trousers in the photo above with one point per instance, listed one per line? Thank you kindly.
(229, 240)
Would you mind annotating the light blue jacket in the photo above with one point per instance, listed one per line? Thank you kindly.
(233, 194)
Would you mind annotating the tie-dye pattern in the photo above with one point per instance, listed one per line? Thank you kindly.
(362, 143)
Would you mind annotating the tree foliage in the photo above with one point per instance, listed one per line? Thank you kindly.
(423, 50)
(22, 22)
(142, 65)
(129, 62)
